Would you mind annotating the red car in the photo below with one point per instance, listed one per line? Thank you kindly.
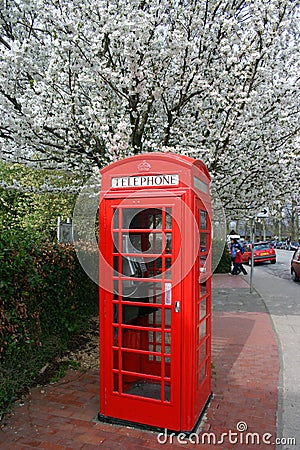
(263, 251)
(295, 265)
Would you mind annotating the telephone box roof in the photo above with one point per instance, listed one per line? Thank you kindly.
(180, 160)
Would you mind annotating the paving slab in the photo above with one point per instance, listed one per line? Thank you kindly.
(281, 297)
(243, 407)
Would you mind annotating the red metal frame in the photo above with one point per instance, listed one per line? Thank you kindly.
(155, 292)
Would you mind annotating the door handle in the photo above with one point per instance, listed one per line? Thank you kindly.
(177, 306)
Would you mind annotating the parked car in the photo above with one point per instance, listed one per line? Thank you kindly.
(295, 265)
(263, 251)
(294, 245)
(280, 244)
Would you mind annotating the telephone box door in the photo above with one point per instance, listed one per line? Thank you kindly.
(140, 330)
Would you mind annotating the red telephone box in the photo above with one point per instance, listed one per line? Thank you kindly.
(155, 291)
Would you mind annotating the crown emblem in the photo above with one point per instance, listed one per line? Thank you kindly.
(144, 166)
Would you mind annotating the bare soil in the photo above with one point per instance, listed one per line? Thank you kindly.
(82, 353)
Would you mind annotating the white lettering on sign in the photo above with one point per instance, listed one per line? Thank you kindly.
(146, 180)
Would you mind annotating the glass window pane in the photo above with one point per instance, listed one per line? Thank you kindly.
(116, 242)
(203, 263)
(154, 267)
(168, 263)
(168, 243)
(116, 218)
(201, 354)
(203, 309)
(133, 338)
(203, 329)
(115, 336)
(139, 218)
(155, 218)
(146, 388)
(133, 218)
(115, 316)
(168, 316)
(202, 375)
(167, 391)
(203, 224)
(203, 242)
(167, 343)
(116, 382)
(134, 267)
(202, 289)
(130, 315)
(169, 218)
(116, 266)
(155, 292)
(155, 240)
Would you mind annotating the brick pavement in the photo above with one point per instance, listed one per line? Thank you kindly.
(245, 380)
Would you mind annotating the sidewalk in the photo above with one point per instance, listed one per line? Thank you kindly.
(245, 380)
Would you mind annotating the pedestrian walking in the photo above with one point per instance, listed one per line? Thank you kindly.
(233, 243)
(233, 246)
(238, 265)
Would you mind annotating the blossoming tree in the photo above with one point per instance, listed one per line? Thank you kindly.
(83, 83)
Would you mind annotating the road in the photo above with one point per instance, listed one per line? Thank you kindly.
(282, 298)
(282, 267)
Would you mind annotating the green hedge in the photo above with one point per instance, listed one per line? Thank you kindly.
(224, 265)
(45, 297)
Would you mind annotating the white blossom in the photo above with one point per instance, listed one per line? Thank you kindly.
(83, 83)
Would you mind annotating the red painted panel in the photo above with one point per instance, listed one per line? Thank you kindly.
(155, 291)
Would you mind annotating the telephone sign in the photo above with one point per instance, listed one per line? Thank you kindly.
(147, 180)
(155, 291)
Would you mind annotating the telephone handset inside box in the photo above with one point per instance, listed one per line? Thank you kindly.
(133, 266)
